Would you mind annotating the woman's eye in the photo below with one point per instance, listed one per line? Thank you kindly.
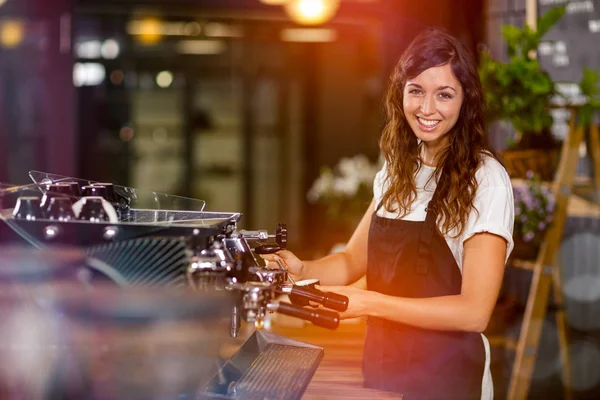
(415, 91)
(446, 96)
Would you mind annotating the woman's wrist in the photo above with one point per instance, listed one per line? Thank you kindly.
(373, 304)
(302, 274)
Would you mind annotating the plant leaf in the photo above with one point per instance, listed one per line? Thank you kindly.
(549, 19)
(589, 82)
(513, 37)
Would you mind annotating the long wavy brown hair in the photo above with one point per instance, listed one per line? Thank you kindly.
(458, 162)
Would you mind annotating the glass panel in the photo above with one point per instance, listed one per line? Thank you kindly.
(137, 206)
(136, 198)
(269, 153)
(158, 148)
(218, 159)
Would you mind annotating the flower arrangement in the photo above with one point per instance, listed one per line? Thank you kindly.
(534, 208)
(346, 190)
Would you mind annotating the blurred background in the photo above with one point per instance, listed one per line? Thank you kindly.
(236, 102)
(251, 105)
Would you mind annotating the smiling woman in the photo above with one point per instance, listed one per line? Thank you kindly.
(435, 239)
(432, 103)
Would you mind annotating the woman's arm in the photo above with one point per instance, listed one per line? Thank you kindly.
(341, 268)
(483, 268)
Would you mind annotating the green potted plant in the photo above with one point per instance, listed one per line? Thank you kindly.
(590, 90)
(520, 91)
(587, 113)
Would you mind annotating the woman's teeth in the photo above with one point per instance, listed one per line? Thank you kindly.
(428, 123)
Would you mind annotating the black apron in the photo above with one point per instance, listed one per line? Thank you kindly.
(412, 259)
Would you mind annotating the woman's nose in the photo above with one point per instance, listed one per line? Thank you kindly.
(427, 105)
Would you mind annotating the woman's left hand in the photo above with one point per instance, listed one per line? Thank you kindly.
(359, 300)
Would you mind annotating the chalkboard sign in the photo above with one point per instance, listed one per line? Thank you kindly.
(574, 42)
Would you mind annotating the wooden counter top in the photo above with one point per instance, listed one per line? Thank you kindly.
(339, 375)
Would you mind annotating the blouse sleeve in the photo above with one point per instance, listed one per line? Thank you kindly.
(495, 205)
(378, 183)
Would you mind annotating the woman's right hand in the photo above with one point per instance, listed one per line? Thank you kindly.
(293, 264)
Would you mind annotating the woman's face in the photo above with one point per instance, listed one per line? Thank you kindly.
(432, 103)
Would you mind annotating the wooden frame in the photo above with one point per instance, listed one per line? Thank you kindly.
(546, 271)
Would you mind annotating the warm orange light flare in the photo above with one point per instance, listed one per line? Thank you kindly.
(311, 9)
(311, 12)
(149, 30)
(270, 2)
(12, 33)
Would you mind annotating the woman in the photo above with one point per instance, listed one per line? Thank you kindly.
(435, 240)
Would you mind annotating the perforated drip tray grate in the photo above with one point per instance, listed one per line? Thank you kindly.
(267, 366)
(280, 372)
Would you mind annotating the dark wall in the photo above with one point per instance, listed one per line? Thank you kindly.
(36, 92)
(403, 19)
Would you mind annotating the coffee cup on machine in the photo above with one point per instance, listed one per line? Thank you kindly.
(95, 191)
(75, 188)
(56, 190)
(95, 209)
(60, 208)
(109, 193)
(28, 208)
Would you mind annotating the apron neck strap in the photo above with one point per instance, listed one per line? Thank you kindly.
(426, 238)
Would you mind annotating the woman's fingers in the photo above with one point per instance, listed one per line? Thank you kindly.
(268, 257)
(273, 265)
(281, 255)
(284, 259)
(273, 261)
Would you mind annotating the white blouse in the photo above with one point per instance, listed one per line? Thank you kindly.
(494, 200)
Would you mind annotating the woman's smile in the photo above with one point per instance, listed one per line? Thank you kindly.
(427, 125)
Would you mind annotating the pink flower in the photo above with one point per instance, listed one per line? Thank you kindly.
(528, 236)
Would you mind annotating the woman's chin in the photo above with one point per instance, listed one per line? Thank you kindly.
(431, 138)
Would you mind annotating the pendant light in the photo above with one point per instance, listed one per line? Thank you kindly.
(311, 12)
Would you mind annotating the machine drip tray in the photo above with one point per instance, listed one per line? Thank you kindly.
(267, 366)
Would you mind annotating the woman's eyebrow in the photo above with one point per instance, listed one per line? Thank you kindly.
(446, 87)
(421, 87)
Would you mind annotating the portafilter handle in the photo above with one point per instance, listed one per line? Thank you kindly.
(318, 316)
(330, 300)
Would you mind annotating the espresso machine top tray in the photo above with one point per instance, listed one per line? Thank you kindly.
(148, 207)
(137, 214)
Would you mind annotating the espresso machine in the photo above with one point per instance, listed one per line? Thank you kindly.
(133, 239)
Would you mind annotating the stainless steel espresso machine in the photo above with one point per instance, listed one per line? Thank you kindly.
(141, 242)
